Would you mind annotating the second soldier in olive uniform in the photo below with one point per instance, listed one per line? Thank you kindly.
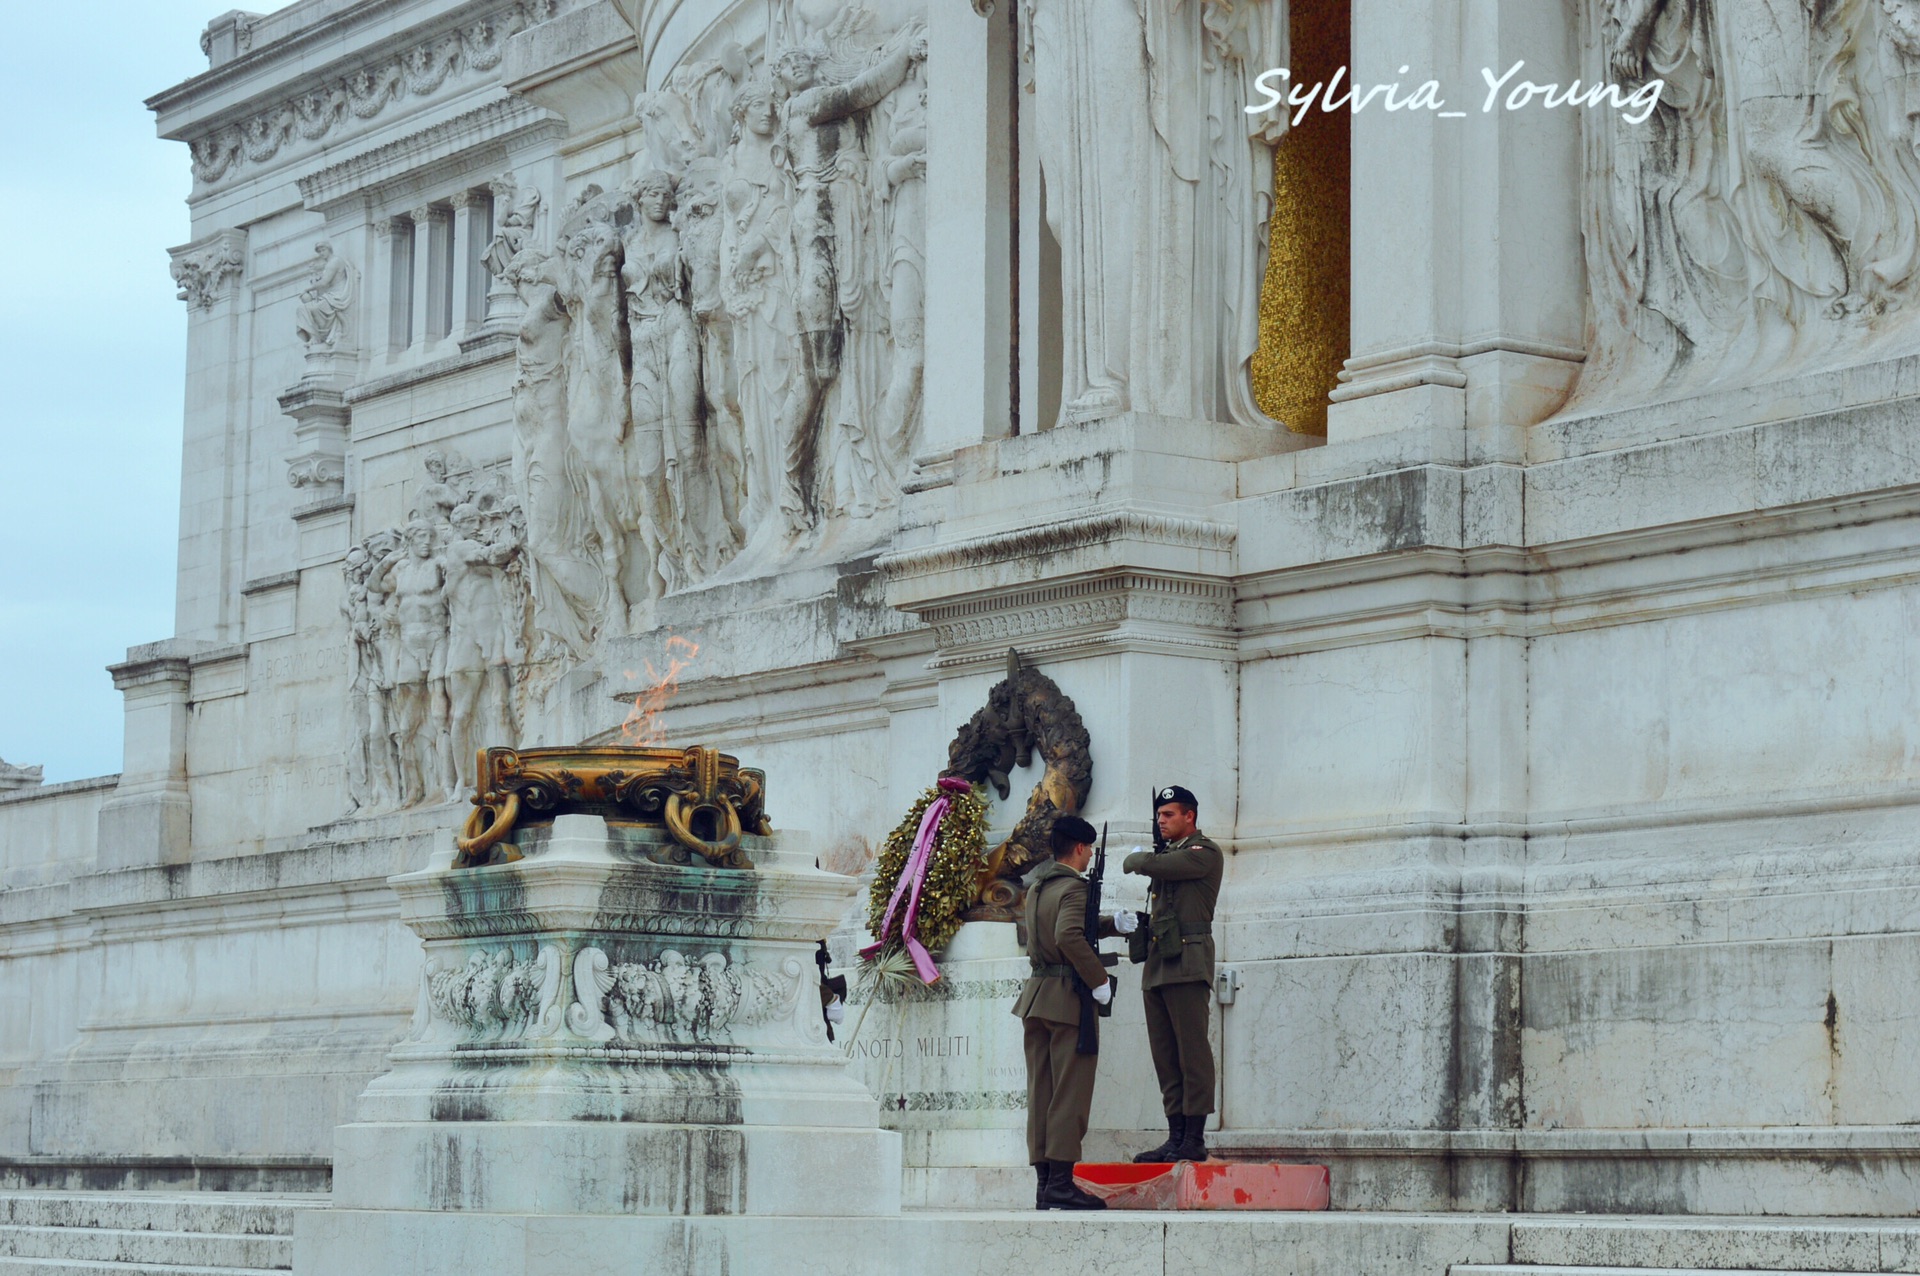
(1177, 982)
(1059, 1078)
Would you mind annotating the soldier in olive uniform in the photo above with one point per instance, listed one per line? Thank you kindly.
(1177, 984)
(1059, 1077)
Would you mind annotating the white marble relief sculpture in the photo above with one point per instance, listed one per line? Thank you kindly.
(728, 349)
(324, 317)
(713, 361)
(497, 995)
(1151, 166)
(682, 999)
(833, 227)
(1765, 218)
(438, 613)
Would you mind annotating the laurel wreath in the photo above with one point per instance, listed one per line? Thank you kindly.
(959, 851)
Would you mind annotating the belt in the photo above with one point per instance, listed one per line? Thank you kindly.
(1196, 928)
(1055, 971)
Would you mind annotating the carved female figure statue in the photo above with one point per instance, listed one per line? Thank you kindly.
(370, 757)
(565, 583)
(478, 645)
(672, 481)
(326, 304)
(597, 408)
(1151, 167)
(756, 248)
(821, 137)
(699, 220)
(906, 173)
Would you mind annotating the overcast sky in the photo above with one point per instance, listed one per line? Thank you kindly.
(92, 349)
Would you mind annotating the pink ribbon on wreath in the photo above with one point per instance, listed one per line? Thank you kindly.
(913, 877)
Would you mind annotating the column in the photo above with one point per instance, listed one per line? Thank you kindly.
(472, 228)
(424, 274)
(969, 179)
(1475, 322)
(209, 272)
(392, 287)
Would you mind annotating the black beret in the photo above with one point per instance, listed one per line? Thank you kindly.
(1174, 793)
(1071, 830)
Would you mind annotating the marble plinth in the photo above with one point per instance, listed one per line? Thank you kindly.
(601, 1033)
(946, 1065)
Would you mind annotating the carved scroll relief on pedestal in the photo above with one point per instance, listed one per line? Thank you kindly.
(680, 998)
(1765, 219)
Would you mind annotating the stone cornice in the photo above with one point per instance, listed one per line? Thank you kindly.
(1060, 537)
(497, 121)
(154, 663)
(433, 60)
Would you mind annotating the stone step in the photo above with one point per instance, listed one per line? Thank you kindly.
(1718, 1244)
(1555, 1269)
(61, 1267)
(92, 1244)
(230, 1214)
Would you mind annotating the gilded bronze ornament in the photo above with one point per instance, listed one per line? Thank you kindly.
(1026, 712)
(704, 799)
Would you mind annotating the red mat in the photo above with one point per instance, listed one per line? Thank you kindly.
(1206, 1185)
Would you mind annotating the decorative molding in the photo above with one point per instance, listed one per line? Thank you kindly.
(210, 269)
(501, 120)
(498, 995)
(326, 472)
(1059, 538)
(1104, 601)
(363, 92)
(683, 999)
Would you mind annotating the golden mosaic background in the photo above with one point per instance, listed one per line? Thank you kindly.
(1305, 301)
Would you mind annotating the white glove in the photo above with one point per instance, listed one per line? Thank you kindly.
(836, 1011)
(1125, 921)
(1104, 993)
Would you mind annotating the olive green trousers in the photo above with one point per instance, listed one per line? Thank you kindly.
(1182, 1055)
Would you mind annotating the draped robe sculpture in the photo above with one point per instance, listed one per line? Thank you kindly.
(1158, 189)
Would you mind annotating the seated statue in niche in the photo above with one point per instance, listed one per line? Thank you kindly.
(326, 304)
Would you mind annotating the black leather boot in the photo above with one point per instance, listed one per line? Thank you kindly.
(1193, 1147)
(1039, 1185)
(1064, 1194)
(1176, 1135)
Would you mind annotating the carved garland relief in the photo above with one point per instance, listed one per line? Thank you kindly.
(683, 998)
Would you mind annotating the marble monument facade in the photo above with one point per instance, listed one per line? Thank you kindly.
(1557, 706)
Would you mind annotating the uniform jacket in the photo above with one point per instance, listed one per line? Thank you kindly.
(1057, 936)
(1186, 886)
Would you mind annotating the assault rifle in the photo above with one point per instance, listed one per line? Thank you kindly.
(1139, 944)
(1091, 1011)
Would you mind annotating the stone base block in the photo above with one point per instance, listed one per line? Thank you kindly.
(581, 1167)
(367, 1243)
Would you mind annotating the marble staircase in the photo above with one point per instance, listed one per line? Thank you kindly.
(1598, 1246)
(152, 1233)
